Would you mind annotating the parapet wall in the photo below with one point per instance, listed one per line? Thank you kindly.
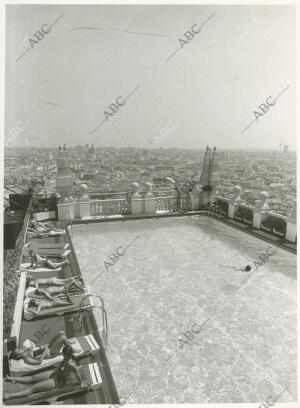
(257, 216)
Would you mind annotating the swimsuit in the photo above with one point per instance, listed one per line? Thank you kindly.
(63, 376)
(41, 261)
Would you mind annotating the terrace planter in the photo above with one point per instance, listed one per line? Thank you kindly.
(275, 225)
(223, 206)
(244, 214)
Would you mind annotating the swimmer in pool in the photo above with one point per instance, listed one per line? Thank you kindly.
(246, 268)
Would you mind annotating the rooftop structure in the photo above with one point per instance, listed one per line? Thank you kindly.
(160, 276)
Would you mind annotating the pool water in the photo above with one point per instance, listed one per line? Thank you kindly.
(178, 274)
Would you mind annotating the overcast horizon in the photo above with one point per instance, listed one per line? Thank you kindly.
(206, 92)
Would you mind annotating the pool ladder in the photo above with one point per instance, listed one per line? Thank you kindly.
(104, 334)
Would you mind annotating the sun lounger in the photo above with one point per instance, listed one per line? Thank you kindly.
(53, 245)
(26, 265)
(49, 253)
(44, 234)
(90, 373)
(80, 302)
(73, 291)
(37, 275)
(50, 273)
(82, 346)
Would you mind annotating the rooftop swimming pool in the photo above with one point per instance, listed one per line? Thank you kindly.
(178, 276)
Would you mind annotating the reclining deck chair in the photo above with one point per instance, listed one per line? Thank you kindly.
(44, 234)
(82, 346)
(80, 302)
(49, 252)
(55, 273)
(49, 245)
(90, 373)
(26, 266)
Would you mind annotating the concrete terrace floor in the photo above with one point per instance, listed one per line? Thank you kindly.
(173, 276)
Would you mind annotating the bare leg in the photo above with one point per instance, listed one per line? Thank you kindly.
(76, 284)
(55, 265)
(56, 291)
(20, 380)
(30, 379)
(44, 385)
(57, 342)
(59, 302)
(61, 282)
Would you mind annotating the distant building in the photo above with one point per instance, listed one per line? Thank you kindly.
(285, 148)
(64, 181)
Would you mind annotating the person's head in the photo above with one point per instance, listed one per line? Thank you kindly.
(16, 354)
(248, 268)
(32, 303)
(67, 352)
(29, 281)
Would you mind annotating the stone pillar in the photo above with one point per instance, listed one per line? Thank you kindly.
(149, 199)
(84, 208)
(72, 208)
(291, 227)
(63, 211)
(136, 200)
(195, 198)
(260, 208)
(234, 201)
(84, 202)
(76, 206)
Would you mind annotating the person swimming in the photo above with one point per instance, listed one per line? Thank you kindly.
(246, 268)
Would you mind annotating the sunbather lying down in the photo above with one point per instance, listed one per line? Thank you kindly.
(34, 306)
(65, 374)
(37, 356)
(50, 287)
(33, 234)
(246, 268)
(53, 281)
(39, 261)
(40, 227)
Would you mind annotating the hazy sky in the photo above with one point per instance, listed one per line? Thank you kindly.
(211, 87)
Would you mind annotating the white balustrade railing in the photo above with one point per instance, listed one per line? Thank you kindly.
(167, 203)
(109, 207)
